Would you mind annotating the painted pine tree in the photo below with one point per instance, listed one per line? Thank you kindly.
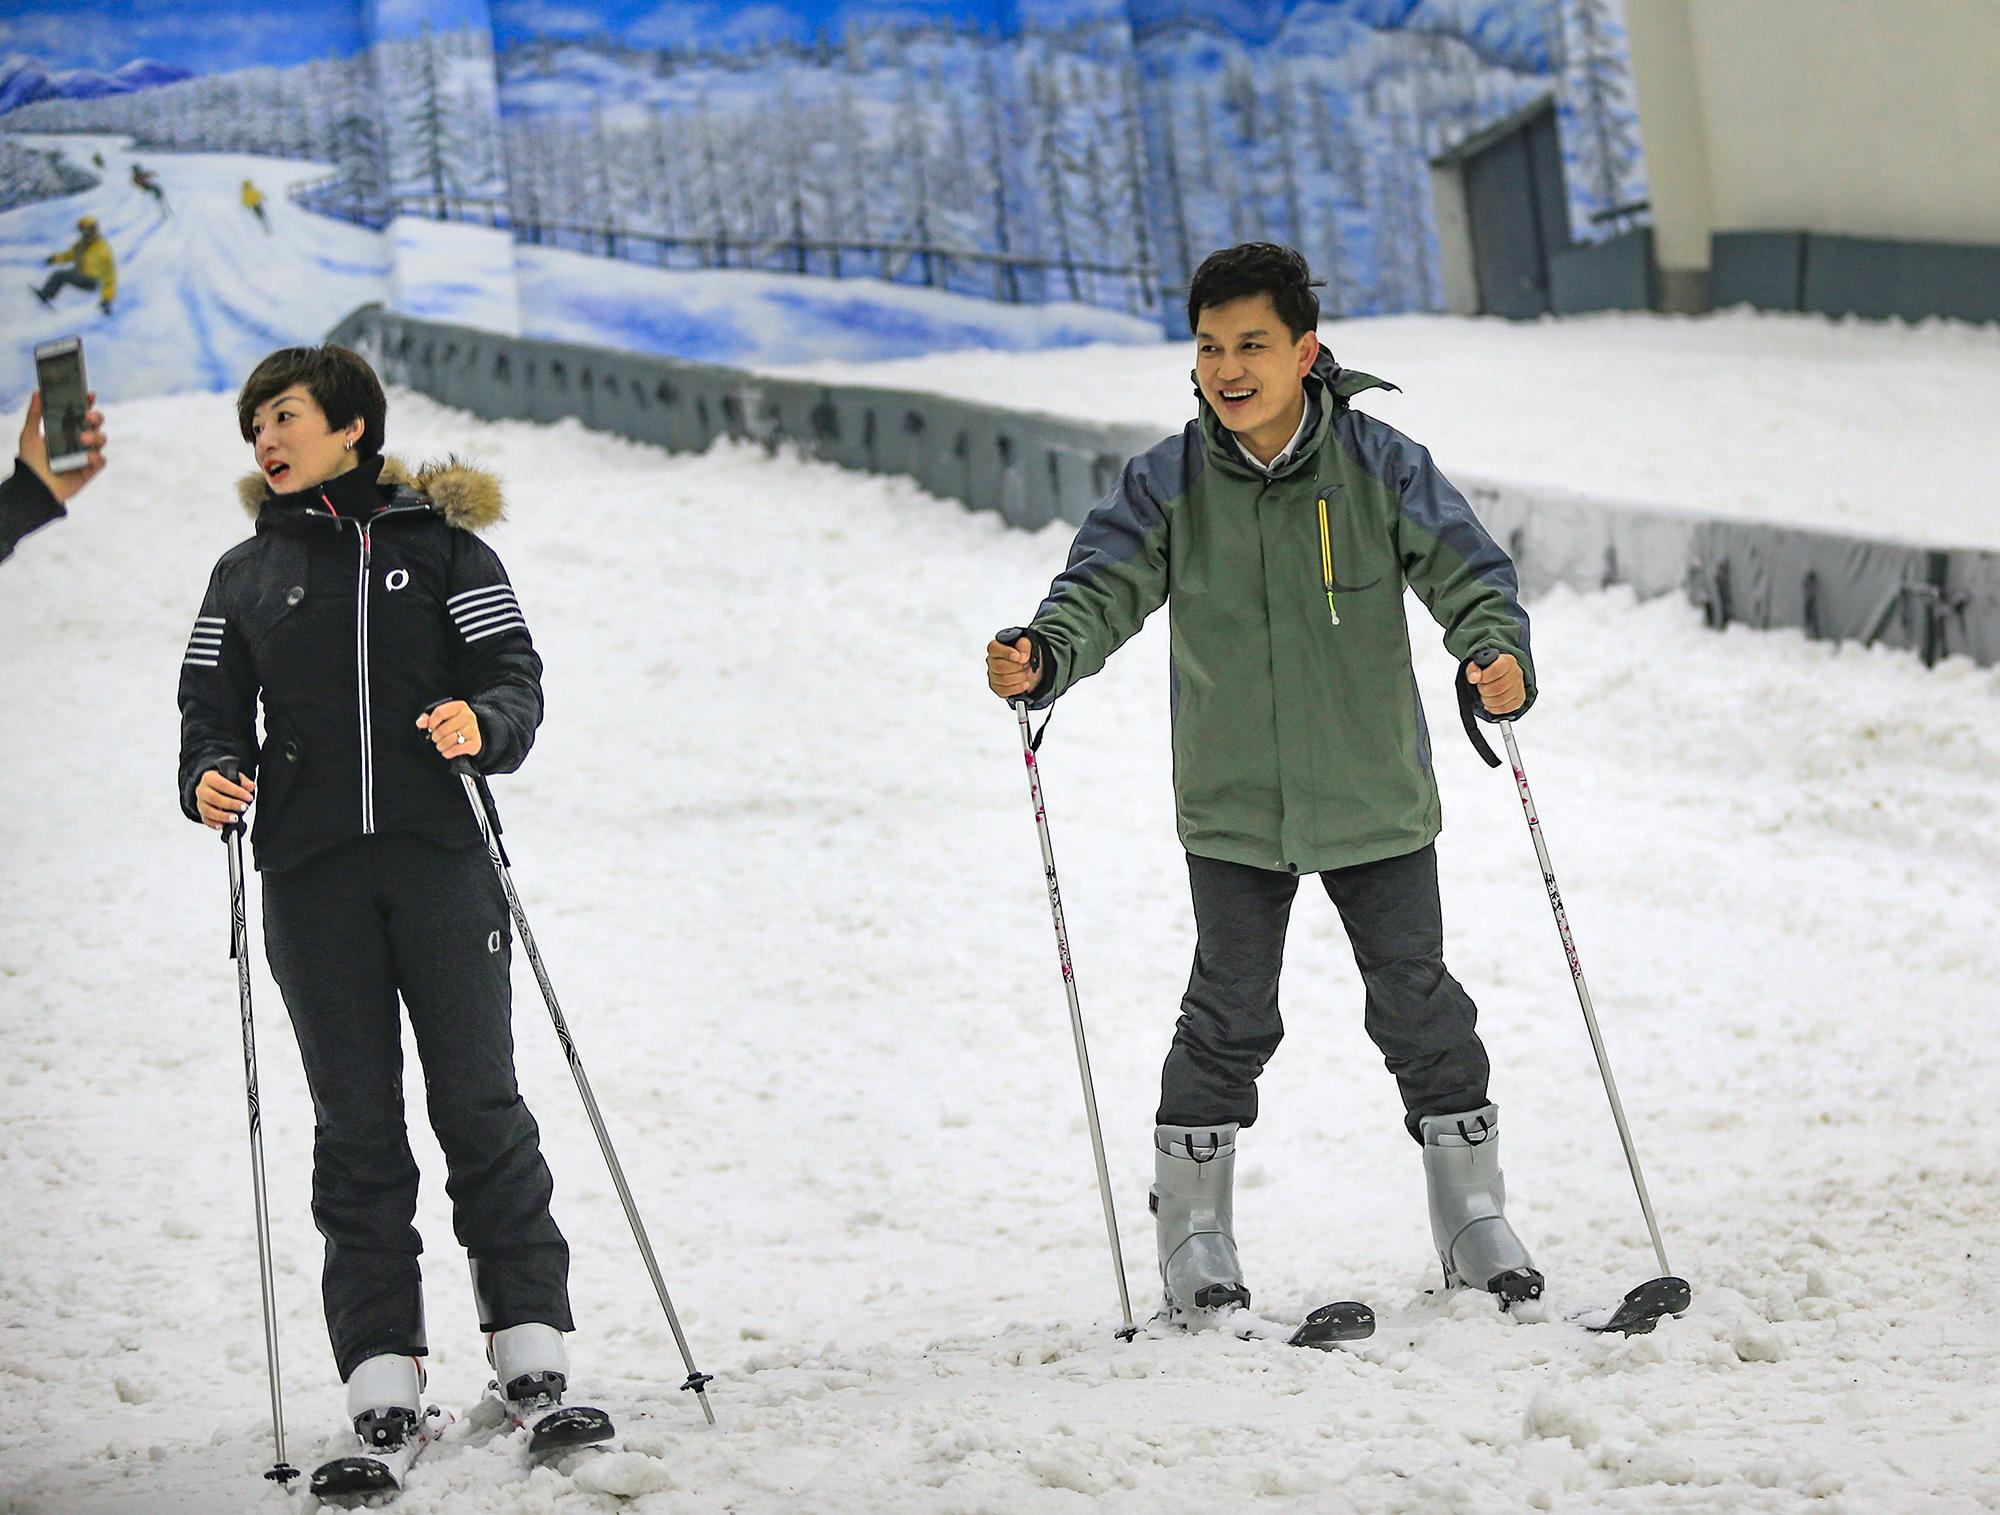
(1599, 120)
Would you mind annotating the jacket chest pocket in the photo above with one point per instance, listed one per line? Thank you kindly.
(405, 604)
(1347, 557)
(291, 595)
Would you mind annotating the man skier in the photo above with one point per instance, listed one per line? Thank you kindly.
(144, 179)
(253, 201)
(95, 271)
(1280, 527)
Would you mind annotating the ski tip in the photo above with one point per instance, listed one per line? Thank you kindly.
(1344, 1320)
(351, 1479)
(570, 1426)
(1643, 1307)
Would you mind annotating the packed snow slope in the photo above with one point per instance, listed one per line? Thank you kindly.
(776, 847)
(1874, 427)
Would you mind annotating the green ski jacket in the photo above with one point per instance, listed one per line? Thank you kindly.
(1299, 737)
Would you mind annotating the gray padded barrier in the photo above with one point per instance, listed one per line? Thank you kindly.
(1874, 278)
(1765, 269)
(1854, 276)
(1035, 469)
(1615, 274)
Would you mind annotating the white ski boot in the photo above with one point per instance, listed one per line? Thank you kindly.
(530, 1374)
(1193, 1167)
(1468, 1197)
(385, 1400)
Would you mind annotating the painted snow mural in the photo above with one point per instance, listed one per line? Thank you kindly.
(765, 184)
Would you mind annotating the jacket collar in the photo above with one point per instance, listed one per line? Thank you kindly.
(1328, 389)
(465, 495)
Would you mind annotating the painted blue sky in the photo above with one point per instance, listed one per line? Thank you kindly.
(676, 23)
(216, 36)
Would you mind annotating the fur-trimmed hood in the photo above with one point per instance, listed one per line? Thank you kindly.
(467, 496)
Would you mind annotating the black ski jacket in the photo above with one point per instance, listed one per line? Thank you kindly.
(358, 604)
(25, 503)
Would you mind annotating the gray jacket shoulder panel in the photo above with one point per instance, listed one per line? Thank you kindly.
(1428, 500)
(1117, 529)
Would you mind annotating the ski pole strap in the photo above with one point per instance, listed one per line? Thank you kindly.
(1007, 636)
(463, 768)
(1468, 704)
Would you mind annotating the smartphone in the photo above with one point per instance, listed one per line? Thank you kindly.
(65, 402)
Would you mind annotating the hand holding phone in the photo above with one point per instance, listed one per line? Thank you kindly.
(63, 439)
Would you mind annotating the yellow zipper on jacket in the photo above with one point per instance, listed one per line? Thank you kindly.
(1326, 563)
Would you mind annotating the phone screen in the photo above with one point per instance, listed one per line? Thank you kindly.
(65, 402)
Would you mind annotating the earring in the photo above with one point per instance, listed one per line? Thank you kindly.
(350, 447)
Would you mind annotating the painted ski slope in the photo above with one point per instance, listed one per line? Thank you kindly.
(203, 293)
(776, 849)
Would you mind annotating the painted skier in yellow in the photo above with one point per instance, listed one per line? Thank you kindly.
(253, 201)
(95, 270)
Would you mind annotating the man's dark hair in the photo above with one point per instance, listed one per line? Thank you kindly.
(1257, 268)
(339, 380)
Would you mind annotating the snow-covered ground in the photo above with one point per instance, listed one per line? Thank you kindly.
(1875, 427)
(746, 318)
(776, 847)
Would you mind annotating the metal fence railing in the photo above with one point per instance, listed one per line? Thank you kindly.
(1002, 276)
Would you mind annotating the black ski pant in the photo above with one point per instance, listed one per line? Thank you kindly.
(346, 932)
(1415, 1011)
(67, 278)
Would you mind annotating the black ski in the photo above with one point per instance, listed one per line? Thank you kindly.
(375, 1475)
(1641, 1309)
(1636, 1314)
(567, 1428)
(553, 1428)
(1324, 1329)
(1329, 1325)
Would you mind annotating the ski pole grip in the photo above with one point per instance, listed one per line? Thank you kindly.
(461, 766)
(1468, 706)
(232, 770)
(1007, 636)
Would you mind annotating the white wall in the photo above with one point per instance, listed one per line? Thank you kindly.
(1876, 118)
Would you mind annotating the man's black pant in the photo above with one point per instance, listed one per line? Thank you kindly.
(345, 931)
(1229, 1026)
(67, 278)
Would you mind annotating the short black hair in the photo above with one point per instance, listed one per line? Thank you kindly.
(1257, 268)
(339, 380)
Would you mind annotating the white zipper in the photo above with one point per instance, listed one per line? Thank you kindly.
(367, 724)
(361, 650)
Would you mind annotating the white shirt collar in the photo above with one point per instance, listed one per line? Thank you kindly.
(1285, 453)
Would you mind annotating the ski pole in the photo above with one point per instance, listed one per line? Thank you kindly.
(1483, 659)
(1028, 745)
(488, 817)
(281, 1471)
